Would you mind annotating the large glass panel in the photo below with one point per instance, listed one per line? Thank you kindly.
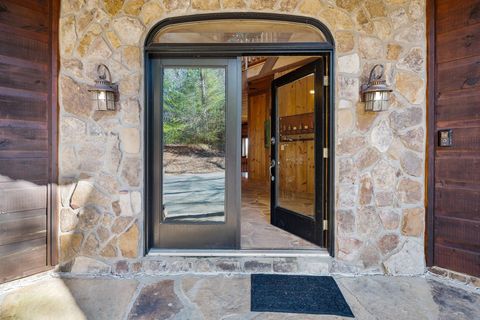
(239, 31)
(194, 100)
(296, 150)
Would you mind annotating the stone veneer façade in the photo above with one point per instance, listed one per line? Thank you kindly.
(379, 157)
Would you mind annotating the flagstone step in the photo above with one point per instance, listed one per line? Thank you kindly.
(319, 263)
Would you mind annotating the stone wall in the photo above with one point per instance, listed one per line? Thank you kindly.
(379, 157)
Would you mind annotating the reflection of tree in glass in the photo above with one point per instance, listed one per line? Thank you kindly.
(194, 106)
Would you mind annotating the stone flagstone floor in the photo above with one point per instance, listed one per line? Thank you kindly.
(256, 230)
(225, 297)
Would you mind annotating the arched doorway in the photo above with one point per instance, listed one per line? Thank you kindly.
(189, 59)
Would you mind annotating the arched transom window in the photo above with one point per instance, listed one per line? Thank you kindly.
(224, 31)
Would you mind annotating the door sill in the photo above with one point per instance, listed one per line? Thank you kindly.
(280, 253)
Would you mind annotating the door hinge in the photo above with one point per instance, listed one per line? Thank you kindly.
(325, 153)
(325, 81)
(325, 224)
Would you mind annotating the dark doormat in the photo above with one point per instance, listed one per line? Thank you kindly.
(297, 294)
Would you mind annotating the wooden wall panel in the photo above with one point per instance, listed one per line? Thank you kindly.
(23, 259)
(459, 44)
(22, 226)
(21, 77)
(23, 109)
(454, 14)
(457, 203)
(28, 107)
(456, 259)
(458, 75)
(455, 217)
(258, 155)
(458, 233)
(454, 106)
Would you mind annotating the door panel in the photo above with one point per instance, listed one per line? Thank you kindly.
(296, 153)
(455, 228)
(297, 166)
(27, 139)
(197, 158)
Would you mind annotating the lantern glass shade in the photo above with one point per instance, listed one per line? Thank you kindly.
(103, 100)
(376, 101)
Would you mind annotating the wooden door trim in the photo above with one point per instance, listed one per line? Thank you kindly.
(52, 208)
(431, 136)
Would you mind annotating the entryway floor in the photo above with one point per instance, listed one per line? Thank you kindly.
(256, 230)
(225, 297)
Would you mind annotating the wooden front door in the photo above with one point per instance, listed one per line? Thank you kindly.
(455, 135)
(27, 134)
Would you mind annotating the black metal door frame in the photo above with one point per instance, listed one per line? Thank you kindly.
(293, 222)
(154, 51)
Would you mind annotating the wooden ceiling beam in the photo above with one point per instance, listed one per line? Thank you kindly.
(268, 66)
(284, 68)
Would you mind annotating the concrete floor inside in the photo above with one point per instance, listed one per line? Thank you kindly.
(256, 230)
(225, 297)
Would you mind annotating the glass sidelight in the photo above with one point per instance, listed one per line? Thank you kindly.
(197, 172)
(194, 102)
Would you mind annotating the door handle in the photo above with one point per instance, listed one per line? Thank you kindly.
(272, 165)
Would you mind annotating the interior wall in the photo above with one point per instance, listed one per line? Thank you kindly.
(258, 154)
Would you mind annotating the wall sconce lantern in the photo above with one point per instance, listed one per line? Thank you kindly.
(104, 92)
(375, 93)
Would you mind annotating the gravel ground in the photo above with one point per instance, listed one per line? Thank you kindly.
(181, 159)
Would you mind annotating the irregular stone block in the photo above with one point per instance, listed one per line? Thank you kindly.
(411, 86)
(70, 245)
(384, 176)
(368, 222)
(258, 265)
(89, 265)
(128, 29)
(413, 222)
(206, 4)
(388, 243)
(409, 191)
(349, 64)
(412, 164)
(382, 136)
(345, 221)
(130, 140)
(365, 194)
(408, 261)
(86, 194)
(128, 242)
(286, 265)
(406, 118)
(390, 219)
